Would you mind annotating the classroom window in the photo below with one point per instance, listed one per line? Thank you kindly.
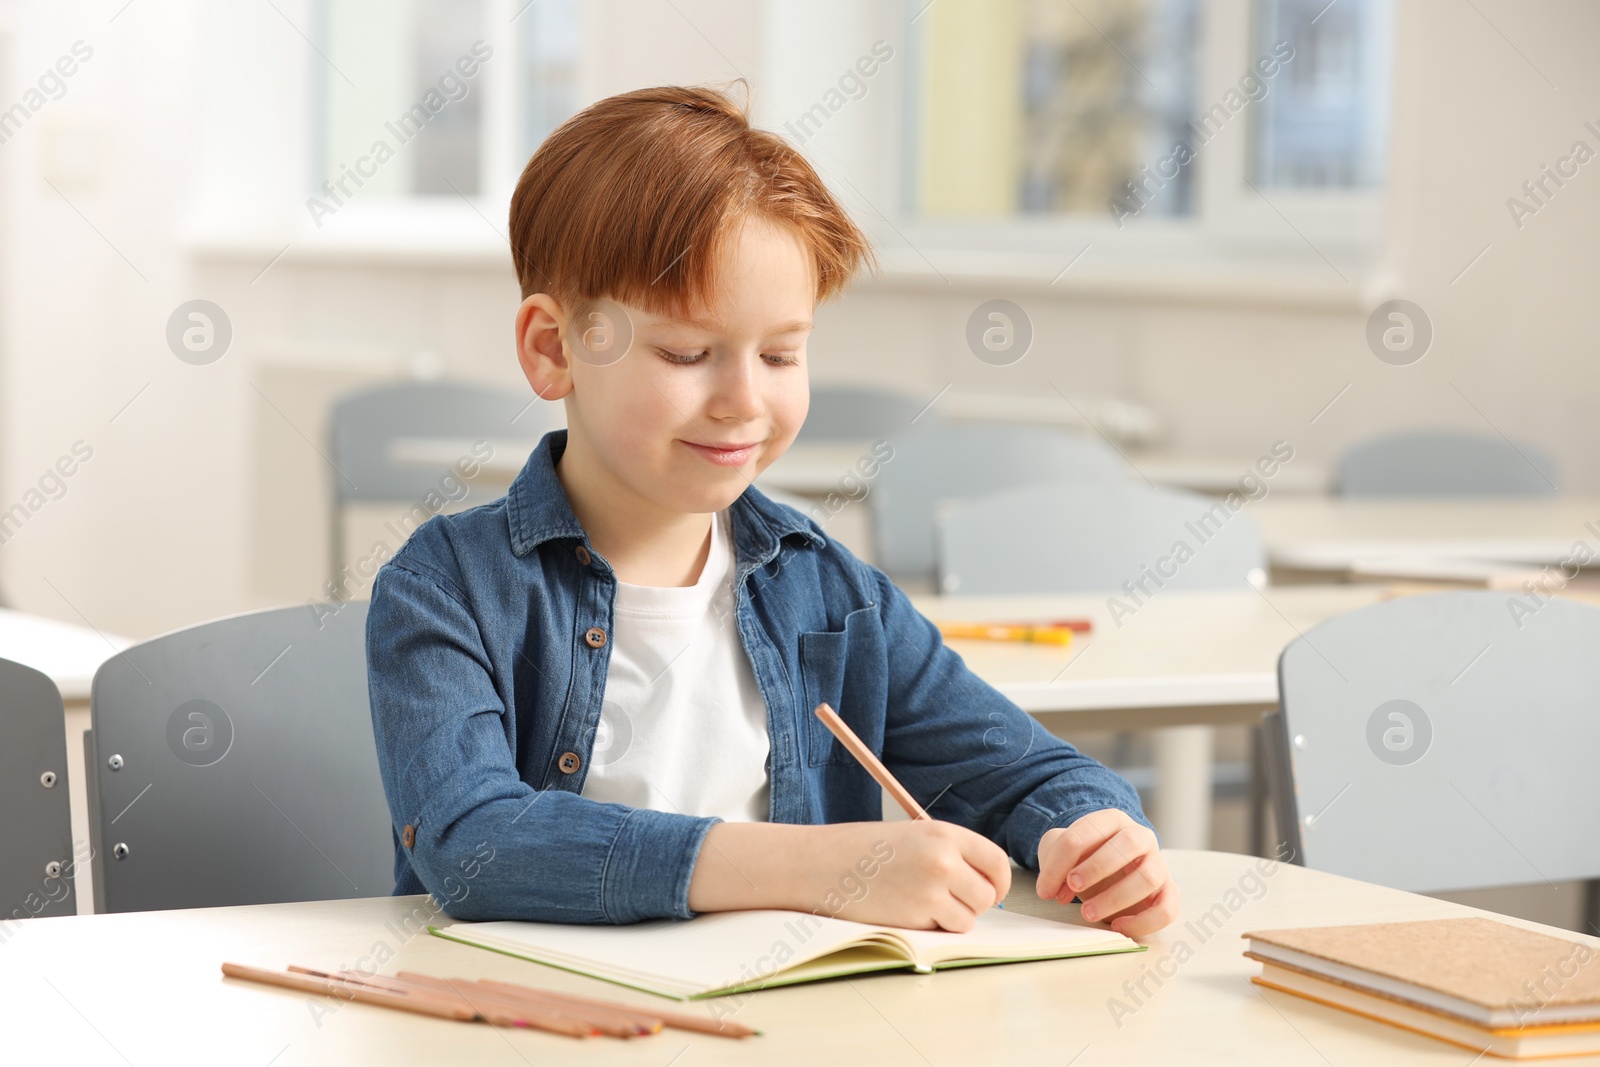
(1022, 109)
(404, 92)
(1037, 107)
(550, 44)
(1326, 124)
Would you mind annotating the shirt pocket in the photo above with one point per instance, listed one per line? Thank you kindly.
(848, 670)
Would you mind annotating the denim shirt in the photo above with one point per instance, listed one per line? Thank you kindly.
(487, 649)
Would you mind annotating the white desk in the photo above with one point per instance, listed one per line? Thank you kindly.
(146, 988)
(1334, 534)
(68, 654)
(1219, 476)
(815, 469)
(1185, 661)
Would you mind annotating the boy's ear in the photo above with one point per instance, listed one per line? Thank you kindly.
(541, 329)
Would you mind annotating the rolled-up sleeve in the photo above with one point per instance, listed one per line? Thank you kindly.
(482, 840)
(980, 760)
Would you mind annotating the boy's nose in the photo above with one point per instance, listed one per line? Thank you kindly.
(736, 394)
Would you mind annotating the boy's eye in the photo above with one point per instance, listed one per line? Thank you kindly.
(681, 357)
(780, 359)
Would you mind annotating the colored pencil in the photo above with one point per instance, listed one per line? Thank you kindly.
(676, 1020)
(983, 631)
(305, 983)
(538, 1014)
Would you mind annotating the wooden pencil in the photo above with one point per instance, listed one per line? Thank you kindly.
(847, 737)
(543, 1016)
(489, 1010)
(638, 1023)
(305, 983)
(674, 1019)
(493, 1013)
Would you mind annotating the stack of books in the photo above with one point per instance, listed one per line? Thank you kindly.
(1485, 985)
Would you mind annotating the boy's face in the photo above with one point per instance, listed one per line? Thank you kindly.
(700, 405)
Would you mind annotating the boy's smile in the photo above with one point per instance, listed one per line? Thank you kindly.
(726, 455)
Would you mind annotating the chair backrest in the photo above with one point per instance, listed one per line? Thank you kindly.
(1444, 463)
(1444, 741)
(951, 462)
(860, 413)
(366, 425)
(37, 865)
(234, 763)
(1091, 535)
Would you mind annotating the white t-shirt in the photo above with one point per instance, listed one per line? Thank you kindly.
(683, 727)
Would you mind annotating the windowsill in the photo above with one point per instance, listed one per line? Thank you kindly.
(408, 234)
(453, 233)
(1142, 279)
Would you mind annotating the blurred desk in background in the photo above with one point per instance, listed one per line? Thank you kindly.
(1218, 477)
(68, 654)
(815, 469)
(838, 476)
(1331, 536)
(1181, 663)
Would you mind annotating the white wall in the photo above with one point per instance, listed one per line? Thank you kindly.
(203, 498)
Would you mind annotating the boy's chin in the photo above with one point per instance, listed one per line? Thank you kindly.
(707, 498)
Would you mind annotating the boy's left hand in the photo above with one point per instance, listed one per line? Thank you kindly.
(1115, 867)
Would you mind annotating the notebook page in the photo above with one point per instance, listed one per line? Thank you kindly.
(1000, 934)
(708, 952)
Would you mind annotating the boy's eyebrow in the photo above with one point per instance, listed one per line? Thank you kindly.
(792, 326)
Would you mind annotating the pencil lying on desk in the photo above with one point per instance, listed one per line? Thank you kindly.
(674, 1019)
(524, 1004)
(421, 1004)
(1044, 635)
(485, 1000)
(1077, 626)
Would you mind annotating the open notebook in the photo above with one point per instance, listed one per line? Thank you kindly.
(713, 955)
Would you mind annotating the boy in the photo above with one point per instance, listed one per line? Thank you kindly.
(633, 584)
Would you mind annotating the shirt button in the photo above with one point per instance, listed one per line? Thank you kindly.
(568, 762)
(408, 836)
(583, 555)
(595, 636)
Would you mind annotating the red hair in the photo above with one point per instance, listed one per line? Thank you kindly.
(632, 199)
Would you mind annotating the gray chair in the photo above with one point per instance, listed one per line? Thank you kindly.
(860, 413)
(366, 425)
(1443, 742)
(233, 763)
(1095, 535)
(37, 866)
(951, 462)
(1444, 463)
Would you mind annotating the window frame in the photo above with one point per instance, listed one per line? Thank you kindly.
(500, 157)
(1337, 232)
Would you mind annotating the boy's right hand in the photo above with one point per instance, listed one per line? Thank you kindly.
(923, 874)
